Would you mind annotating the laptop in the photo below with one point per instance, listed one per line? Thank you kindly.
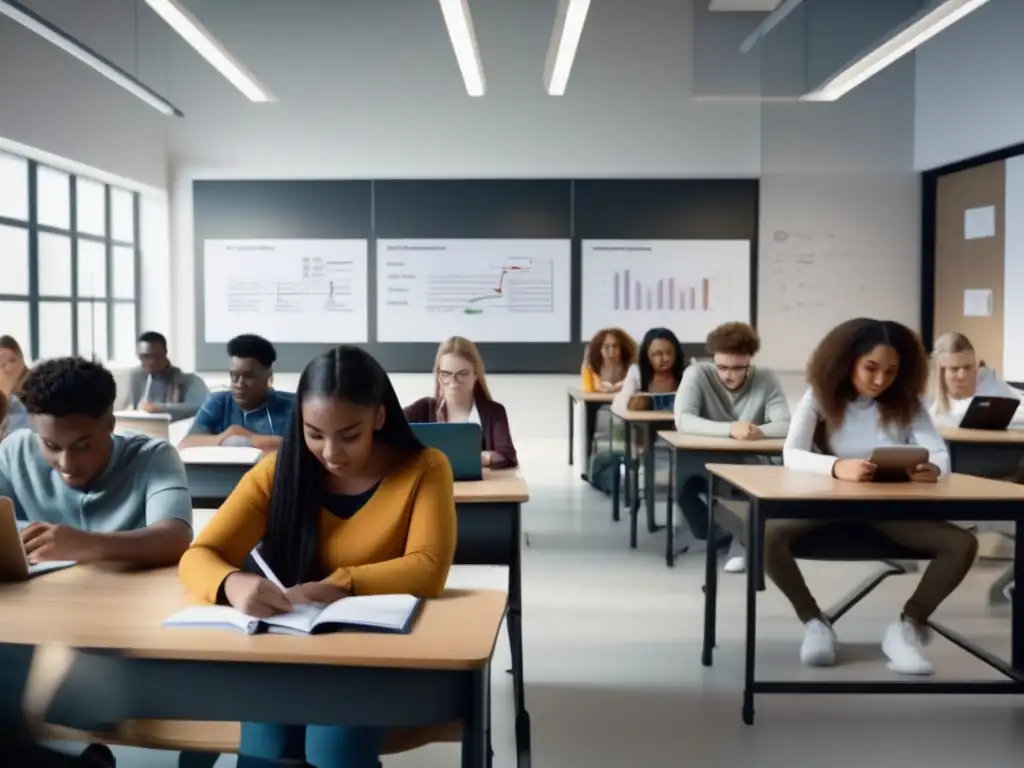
(989, 412)
(462, 443)
(14, 565)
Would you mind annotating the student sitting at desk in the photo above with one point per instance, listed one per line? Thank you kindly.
(353, 504)
(88, 494)
(658, 369)
(867, 378)
(727, 397)
(958, 377)
(156, 386)
(252, 412)
(610, 353)
(461, 394)
(12, 374)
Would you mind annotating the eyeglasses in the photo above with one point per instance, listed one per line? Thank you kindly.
(459, 377)
(724, 369)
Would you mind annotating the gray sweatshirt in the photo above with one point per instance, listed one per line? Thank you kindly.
(177, 393)
(705, 407)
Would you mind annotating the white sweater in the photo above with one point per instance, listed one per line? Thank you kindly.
(986, 385)
(630, 387)
(860, 433)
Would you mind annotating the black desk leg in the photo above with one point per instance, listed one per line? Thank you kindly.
(1017, 619)
(670, 544)
(649, 488)
(572, 426)
(591, 410)
(515, 637)
(629, 494)
(755, 550)
(475, 724)
(710, 583)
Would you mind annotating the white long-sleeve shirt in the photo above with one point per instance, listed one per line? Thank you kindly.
(987, 385)
(630, 387)
(860, 434)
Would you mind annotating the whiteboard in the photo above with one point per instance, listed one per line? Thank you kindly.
(834, 247)
(299, 291)
(687, 286)
(485, 290)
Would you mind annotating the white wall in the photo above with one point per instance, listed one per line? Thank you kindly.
(1013, 266)
(970, 87)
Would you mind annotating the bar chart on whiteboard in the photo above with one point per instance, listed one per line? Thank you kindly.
(688, 286)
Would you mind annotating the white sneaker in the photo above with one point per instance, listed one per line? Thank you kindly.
(904, 645)
(819, 646)
(736, 564)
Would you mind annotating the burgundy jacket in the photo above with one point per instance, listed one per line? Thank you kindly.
(493, 423)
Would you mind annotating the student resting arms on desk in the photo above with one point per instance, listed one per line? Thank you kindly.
(867, 378)
(727, 397)
(156, 386)
(658, 370)
(252, 412)
(353, 504)
(88, 494)
(959, 377)
(609, 354)
(460, 395)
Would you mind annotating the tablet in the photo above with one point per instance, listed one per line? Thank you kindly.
(989, 412)
(895, 462)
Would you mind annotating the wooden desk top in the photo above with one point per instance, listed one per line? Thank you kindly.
(644, 417)
(89, 607)
(498, 485)
(590, 397)
(983, 436)
(684, 442)
(779, 483)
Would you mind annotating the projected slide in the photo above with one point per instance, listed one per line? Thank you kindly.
(485, 290)
(688, 286)
(296, 291)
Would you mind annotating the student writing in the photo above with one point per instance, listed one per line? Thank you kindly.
(156, 386)
(609, 354)
(659, 369)
(867, 378)
(727, 397)
(958, 377)
(461, 394)
(353, 504)
(88, 494)
(252, 412)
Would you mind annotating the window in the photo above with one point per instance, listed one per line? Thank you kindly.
(68, 263)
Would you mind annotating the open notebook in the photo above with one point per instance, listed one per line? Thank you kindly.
(376, 613)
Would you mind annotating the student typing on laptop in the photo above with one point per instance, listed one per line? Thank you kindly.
(958, 377)
(87, 494)
(461, 395)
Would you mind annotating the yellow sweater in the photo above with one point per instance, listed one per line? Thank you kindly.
(402, 541)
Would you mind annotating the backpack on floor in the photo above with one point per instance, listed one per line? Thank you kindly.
(604, 466)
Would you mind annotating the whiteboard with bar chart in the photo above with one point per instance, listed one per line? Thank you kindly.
(688, 286)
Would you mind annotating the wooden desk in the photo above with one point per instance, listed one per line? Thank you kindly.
(213, 472)
(592, 403)
(648, 422)
(156, 425)
(984, 452)
(690, 454)
(438, 673)
(776, 492)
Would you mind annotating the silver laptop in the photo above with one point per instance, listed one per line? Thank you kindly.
(14, 565)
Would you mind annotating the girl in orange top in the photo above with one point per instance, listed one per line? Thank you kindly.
(610, 353)
(353, 504)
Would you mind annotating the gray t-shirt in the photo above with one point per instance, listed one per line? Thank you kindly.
(705, 407)
(144, 483)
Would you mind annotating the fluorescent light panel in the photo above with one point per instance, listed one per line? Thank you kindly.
(206, 45)
(917, 31)
(53, 34)
(565, 39)
(467, 53)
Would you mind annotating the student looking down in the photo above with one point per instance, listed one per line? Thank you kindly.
(609, 354)
(658, 369)
(252, 412)
(958, 377)
(156, 386)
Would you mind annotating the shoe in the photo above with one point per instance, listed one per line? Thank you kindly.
(904, 645)
(736, 564)
(819, 646)
(97, 756)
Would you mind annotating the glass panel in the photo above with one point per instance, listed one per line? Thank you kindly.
(122, 214)
(124, 333)
(92, 206)
(124, 272)
(13, 187)
(55, 339)
(14, 321)
(92, 269)
(14, 260)
(53, 192)
(92, 330)
(54, 265)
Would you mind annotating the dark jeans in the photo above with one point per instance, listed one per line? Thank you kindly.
(323, 746)
(695, 511)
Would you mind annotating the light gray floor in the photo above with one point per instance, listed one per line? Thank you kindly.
(613, 674)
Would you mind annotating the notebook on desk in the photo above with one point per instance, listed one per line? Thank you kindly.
(14, 564)
(374, 613)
